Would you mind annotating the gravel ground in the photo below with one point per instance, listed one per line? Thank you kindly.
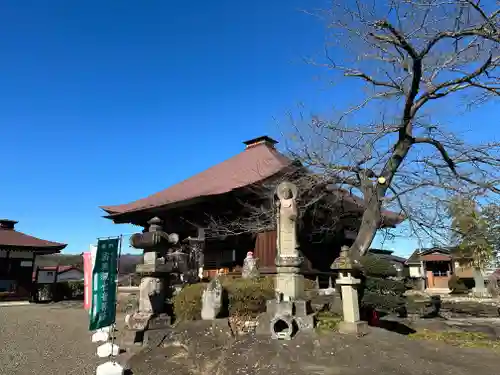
(46, 340)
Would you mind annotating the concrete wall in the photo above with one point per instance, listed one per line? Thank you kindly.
(47, 277)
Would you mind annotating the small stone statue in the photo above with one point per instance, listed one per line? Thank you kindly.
(211, 300)
(250, 269)
(287, 215)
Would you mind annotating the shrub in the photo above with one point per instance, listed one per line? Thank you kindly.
(385, 286)
(457, 285)
(245, 297)
(376, 266)
(76, 288)
(187, 303)
(381, 302)
(377, 291)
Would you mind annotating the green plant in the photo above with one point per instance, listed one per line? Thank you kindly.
(245, 297)
(381, 302)
(76, 288)
(327, 321)
(187, 303)
(376, 266)
(385, 286)
(461, 339)
(457, 285)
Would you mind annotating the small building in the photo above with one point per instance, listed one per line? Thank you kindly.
(57, 274)
(435, 266)
(18, 252)
(189, 208)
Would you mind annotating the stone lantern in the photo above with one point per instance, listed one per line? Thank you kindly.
(349, 293)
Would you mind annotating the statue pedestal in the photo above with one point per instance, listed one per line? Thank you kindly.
(142, 325)
(284, 319)
(350, 305)
(288, 281)
(290, 285)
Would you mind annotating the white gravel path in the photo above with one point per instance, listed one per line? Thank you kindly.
(46, 340)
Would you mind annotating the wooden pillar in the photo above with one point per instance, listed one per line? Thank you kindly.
(34, 280)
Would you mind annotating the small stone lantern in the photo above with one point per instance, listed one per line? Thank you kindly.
(348, 286)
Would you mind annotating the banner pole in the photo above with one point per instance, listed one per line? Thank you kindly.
(120, 240)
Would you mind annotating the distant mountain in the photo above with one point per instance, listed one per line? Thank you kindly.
(127, 262)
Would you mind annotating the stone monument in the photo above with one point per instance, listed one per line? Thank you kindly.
(289, 312)
(349, 294)
(250, 269)
(211, 300)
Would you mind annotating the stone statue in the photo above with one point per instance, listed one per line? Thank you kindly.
(250, 269)
(211, 300)
(287, 220)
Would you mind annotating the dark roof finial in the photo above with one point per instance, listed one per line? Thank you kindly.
(7, 224)
(264, 139)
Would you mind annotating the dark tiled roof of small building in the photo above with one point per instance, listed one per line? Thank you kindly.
(415, 256)
(387, 254)
(11, 238)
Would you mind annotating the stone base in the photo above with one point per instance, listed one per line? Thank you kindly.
(283, 320)
(359, 328)
(142, 325)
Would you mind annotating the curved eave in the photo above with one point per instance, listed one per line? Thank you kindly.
(36, 249)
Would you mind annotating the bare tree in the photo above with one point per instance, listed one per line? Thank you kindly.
(406, 60)
(403, 61)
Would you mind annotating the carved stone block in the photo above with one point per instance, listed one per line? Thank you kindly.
(290, 285)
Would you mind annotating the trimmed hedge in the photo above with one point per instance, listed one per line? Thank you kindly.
(187, 303)
(378, 291)
(380, 302)
(385, 286)
(376, 266)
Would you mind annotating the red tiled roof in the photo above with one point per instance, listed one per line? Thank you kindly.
(257, 162)
(11, 237)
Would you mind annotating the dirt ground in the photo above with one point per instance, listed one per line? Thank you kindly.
(54, 339)
(199, 349)
(46, 340)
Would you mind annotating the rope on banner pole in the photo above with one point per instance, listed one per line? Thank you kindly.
(121, 235)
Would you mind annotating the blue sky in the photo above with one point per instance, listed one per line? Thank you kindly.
(105, 102)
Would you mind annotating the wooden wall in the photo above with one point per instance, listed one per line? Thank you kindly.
(265, 249)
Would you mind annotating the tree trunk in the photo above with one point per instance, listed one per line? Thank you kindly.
(478, 280)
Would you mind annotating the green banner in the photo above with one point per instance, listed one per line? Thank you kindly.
(103, 309)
